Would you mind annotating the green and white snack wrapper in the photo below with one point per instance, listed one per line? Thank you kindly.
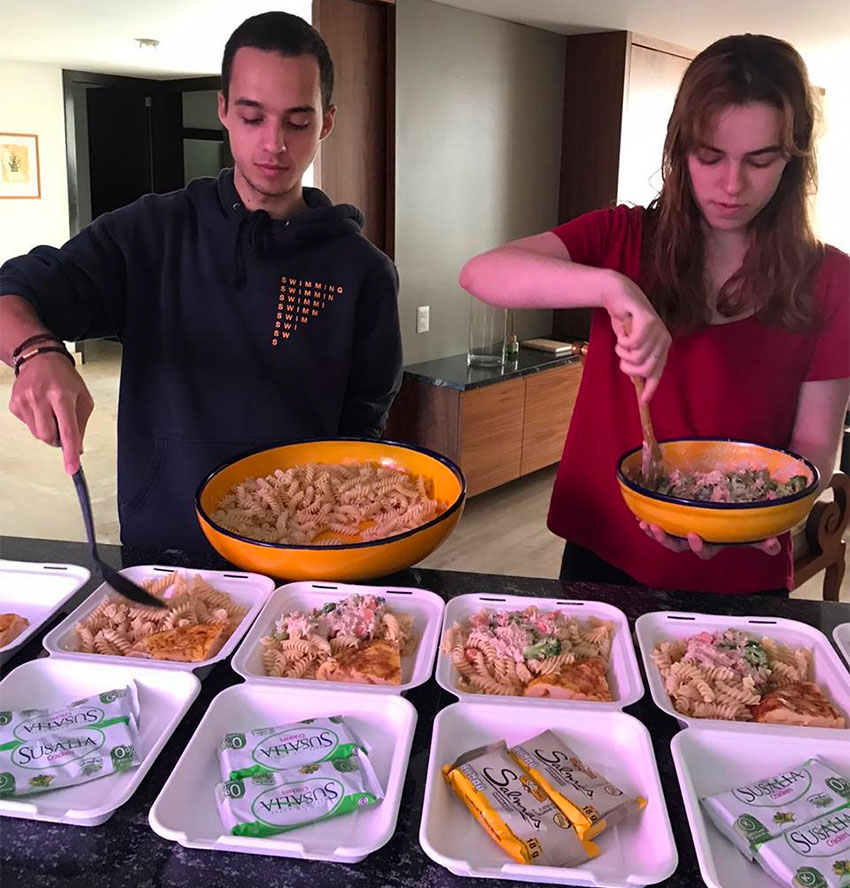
(758, 812)
(90, 738)
(811, 855)
(273, 802)
(264, 750)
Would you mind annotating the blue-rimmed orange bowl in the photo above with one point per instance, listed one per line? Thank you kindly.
(347, 560)
(725, 523)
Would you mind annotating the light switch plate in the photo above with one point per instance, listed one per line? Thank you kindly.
(423, 318)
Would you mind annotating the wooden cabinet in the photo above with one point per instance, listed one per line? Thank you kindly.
(491, 434)
(495, 432)
(619, 90)
(549, 401)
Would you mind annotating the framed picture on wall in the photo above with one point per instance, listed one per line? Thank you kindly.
(19, 173)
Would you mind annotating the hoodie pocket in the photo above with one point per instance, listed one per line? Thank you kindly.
(161, 511)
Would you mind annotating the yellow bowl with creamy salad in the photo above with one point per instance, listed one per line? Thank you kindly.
(753, 492)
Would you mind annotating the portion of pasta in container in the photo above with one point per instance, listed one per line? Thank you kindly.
(192, 627)
(357, 639)
(730, 674)
(532, 653)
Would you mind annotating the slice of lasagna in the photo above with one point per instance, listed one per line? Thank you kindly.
(801, 703)
(378, 662)
(11, 626)
(582, 680)
(186, 644)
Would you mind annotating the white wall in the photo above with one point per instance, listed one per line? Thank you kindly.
(479, 108)
(827, 64)
(31, 102)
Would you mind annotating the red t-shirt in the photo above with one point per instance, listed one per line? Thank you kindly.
(738, 380)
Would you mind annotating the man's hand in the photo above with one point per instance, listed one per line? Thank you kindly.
(698, 545)
(52, 401)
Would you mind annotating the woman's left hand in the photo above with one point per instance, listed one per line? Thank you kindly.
(698, 545)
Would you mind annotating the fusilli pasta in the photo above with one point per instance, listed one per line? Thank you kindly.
(724, 674)
(328, 504)
(115, 627)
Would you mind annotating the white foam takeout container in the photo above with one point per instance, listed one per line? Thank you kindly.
(639, 851)
(829, 674)
(841, 637)
(426, 608)
(623, 674)
(185, 810)
(36, 591)
(716, 759)
(51, 682)
(245, 589)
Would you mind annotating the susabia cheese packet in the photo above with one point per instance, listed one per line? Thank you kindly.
(757, 812)
(591, 802)
(273, 802)
(90, 738)
(514, 809)
(811, 855)
(261, 750)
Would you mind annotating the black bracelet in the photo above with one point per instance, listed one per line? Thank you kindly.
(41, 351)
(39, 337)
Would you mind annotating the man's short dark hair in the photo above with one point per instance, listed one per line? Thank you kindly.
(285, 34)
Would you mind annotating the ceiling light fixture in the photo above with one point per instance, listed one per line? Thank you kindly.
(147, 43)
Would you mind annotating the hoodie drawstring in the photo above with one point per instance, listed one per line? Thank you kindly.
(256, 228)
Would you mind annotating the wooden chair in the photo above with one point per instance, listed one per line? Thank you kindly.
(819, 543)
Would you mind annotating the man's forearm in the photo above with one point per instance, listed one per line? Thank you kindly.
(18, 321)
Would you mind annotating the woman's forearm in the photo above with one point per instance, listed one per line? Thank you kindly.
(516, 277)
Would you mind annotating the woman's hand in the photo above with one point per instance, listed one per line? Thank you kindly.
(698, 545)
(643, 349)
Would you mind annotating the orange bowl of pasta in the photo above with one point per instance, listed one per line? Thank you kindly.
(331, 509)
(727, 492)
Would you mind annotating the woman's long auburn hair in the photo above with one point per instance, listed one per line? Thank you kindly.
(778, 270)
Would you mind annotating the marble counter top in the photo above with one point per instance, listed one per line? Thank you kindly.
(453, 372)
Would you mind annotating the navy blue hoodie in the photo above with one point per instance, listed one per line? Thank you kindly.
(238, 331)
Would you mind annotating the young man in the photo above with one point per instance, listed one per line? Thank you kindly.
(251, 311)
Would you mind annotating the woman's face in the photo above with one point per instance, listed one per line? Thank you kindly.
(736, 171)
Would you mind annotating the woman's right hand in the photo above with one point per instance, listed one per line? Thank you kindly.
(51, 399)
(643, 341)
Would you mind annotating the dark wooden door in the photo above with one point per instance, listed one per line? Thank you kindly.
(356, 163)
(120, 146)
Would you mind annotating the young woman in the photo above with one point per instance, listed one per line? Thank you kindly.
(721, 285)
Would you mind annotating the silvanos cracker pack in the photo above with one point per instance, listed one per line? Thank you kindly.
(514, 809)
(591, 802)
(42, 749)
(273, 802)
(811, 855)
(755, 813)
(261, 750)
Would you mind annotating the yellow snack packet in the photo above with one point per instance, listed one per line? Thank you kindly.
(591, 802)
(514, 809)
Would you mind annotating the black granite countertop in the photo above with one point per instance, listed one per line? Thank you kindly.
(126, 853)
(453, 372)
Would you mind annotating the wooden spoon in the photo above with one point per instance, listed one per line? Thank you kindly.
(652, 460)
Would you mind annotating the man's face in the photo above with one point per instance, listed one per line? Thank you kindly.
(274, 117)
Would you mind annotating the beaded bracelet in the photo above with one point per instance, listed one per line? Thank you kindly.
(44, 349)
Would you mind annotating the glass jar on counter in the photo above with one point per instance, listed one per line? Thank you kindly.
(487, 334)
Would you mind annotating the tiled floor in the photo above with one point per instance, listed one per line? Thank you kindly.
(503, 531)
